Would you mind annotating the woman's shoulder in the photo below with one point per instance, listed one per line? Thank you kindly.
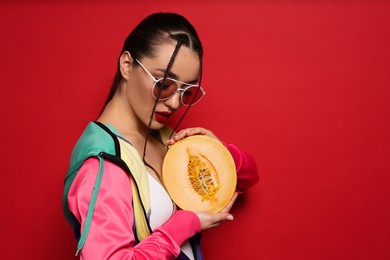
(95, 139)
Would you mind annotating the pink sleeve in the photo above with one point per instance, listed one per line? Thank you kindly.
(111, 235)
(247, 173)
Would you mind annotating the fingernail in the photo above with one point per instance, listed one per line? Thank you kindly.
(229, 217)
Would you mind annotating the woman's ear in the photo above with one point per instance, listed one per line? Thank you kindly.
(125, 64)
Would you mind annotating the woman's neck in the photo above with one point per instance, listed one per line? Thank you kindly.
(120, 115)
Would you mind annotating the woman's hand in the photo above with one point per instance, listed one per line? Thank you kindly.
(209, 220)
(190, 131)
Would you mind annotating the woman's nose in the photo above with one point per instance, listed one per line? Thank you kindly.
(174, 102)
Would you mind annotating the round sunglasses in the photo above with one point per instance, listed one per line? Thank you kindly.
(190, 93)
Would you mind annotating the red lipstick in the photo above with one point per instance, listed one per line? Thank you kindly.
(162, 116)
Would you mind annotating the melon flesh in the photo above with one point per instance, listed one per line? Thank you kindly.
(199, 174)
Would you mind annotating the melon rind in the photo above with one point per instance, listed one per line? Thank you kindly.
(176, 181)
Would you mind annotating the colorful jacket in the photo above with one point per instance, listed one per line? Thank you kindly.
(112, 153)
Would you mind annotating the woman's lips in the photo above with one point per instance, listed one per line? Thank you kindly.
(162, 116)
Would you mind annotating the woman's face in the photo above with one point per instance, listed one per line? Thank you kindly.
(185, 68)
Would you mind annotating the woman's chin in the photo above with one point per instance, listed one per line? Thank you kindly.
(156, 125)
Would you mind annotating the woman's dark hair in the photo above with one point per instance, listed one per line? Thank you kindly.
(154, 30)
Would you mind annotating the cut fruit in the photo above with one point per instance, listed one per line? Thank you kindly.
(199, 174)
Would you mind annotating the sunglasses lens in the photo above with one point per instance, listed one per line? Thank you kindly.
(167, 89)
(192, 95)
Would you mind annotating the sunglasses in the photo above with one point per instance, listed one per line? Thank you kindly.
(190, 93)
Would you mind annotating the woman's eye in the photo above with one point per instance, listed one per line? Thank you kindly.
(168, 83)
(162, 86)
(187, 93)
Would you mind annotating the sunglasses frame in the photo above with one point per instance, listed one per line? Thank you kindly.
(178, 83)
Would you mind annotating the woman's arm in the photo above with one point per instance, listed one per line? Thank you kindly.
(111, 235)
(247, 172)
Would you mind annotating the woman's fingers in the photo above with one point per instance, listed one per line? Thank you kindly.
(223, 215)
(209, 220)
(230, 204)
(190, 131)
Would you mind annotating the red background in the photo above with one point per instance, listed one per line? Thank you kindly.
(301, 85)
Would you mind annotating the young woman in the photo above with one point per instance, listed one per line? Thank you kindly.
(114, 197)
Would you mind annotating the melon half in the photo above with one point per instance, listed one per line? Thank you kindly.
(199, 174)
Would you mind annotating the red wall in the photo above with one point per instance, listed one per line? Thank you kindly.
(302, 85)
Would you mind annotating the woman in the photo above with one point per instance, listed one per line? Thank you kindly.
(113, 196)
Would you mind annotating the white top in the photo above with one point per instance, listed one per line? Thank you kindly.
(161, 209)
